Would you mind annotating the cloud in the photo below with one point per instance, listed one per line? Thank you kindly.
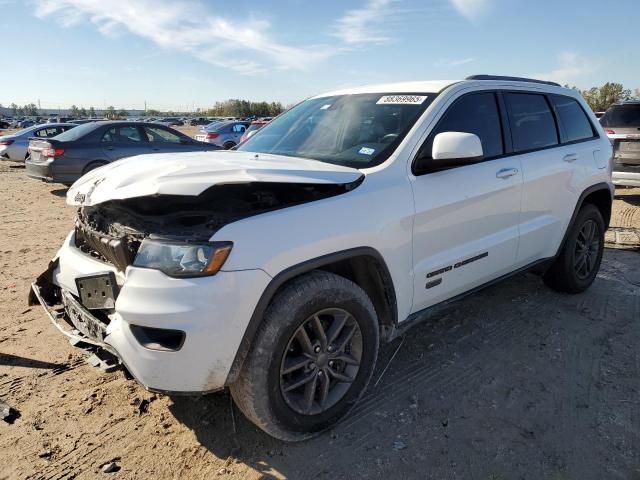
(571, 68)
(245, 47)
(453, 63)
(362, 25)
(472, 9)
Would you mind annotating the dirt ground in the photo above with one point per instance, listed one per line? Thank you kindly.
(514, 382)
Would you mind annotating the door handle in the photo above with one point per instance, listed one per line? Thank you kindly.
(506, 173)
(570, 157)
(110, 148)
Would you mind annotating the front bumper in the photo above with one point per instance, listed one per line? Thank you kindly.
(212, 311)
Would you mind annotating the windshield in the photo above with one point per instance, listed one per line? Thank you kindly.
(351, 130)
(622, 116)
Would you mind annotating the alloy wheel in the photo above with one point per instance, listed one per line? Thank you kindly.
(586, 251)
(321, 361)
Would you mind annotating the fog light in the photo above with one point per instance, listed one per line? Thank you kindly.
(162, 339)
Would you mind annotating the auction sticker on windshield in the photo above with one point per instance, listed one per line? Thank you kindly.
(401, 99)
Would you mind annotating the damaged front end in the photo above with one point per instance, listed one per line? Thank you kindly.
(100, 293)
(113, 231)
(71, 318)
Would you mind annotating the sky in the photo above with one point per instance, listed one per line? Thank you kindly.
(181, 55)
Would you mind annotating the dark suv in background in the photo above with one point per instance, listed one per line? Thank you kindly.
(622, 124)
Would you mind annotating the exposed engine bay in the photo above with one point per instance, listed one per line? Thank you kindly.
(112, 231)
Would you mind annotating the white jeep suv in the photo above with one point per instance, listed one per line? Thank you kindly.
(276, 269)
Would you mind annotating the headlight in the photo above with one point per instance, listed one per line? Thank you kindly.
(182, 259)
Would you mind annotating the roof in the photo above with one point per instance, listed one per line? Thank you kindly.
(435, 86)
(432, 86)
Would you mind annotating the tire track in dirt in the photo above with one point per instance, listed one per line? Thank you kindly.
(434, 380)
(78, 459)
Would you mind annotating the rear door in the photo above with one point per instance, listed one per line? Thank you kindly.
(466, 217)
(164, 140)
(555, 158)
(237, 129)
(122, 141)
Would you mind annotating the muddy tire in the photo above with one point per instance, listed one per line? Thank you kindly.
(576, 267)
(311, 359)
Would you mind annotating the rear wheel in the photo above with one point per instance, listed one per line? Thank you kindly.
(228, 145)
(576, 267)
(312, 357)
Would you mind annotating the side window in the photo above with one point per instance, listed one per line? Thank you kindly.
(473, 113)
(575, 124)
(531, 120)
(239, 128)
(160, 135)
(122, 135)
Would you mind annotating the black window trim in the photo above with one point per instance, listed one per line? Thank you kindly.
(594, 132)
(504, 129)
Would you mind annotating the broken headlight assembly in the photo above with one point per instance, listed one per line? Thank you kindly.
(182, 259)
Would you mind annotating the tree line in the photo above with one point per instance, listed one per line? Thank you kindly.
(601, 98)
(228, 108)
(598, 98)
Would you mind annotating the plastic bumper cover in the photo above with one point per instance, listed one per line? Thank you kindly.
(212, 311)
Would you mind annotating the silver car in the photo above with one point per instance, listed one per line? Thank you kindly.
(223, 134)
(14, 146)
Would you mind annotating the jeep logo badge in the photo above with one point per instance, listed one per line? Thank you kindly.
(79, 197)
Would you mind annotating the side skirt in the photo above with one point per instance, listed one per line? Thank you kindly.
(539, 266)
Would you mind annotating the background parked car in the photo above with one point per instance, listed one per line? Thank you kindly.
(199, 121)
(26, 123)
(224, 134)
(14, 146)
(622, 124)
(4, 124)
(253, 128)
(67, 157)
(170, 122)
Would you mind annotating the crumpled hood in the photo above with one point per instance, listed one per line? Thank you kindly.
(192, 173)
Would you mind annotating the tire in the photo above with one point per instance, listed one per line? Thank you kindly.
(93, 166)
(228, 145)
(263, 389)
(572, 272)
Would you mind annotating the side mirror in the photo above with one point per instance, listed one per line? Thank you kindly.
(451, 149)
(456, 147)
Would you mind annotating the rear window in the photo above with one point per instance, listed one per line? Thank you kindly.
(77, 132)
(531, 120)
(575, 124)
(622, 116)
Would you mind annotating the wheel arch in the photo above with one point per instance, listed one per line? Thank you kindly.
(601, 196)
(92, 164)
(364, 266)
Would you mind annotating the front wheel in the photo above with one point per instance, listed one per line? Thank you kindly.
(312, 357)
(576, 267)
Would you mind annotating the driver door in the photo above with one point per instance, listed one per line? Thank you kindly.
(466, 219)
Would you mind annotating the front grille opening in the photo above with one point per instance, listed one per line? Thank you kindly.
(118, 252)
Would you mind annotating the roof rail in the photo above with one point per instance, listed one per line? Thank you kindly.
(511, 79)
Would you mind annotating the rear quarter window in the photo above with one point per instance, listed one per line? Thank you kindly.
(573, 119)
